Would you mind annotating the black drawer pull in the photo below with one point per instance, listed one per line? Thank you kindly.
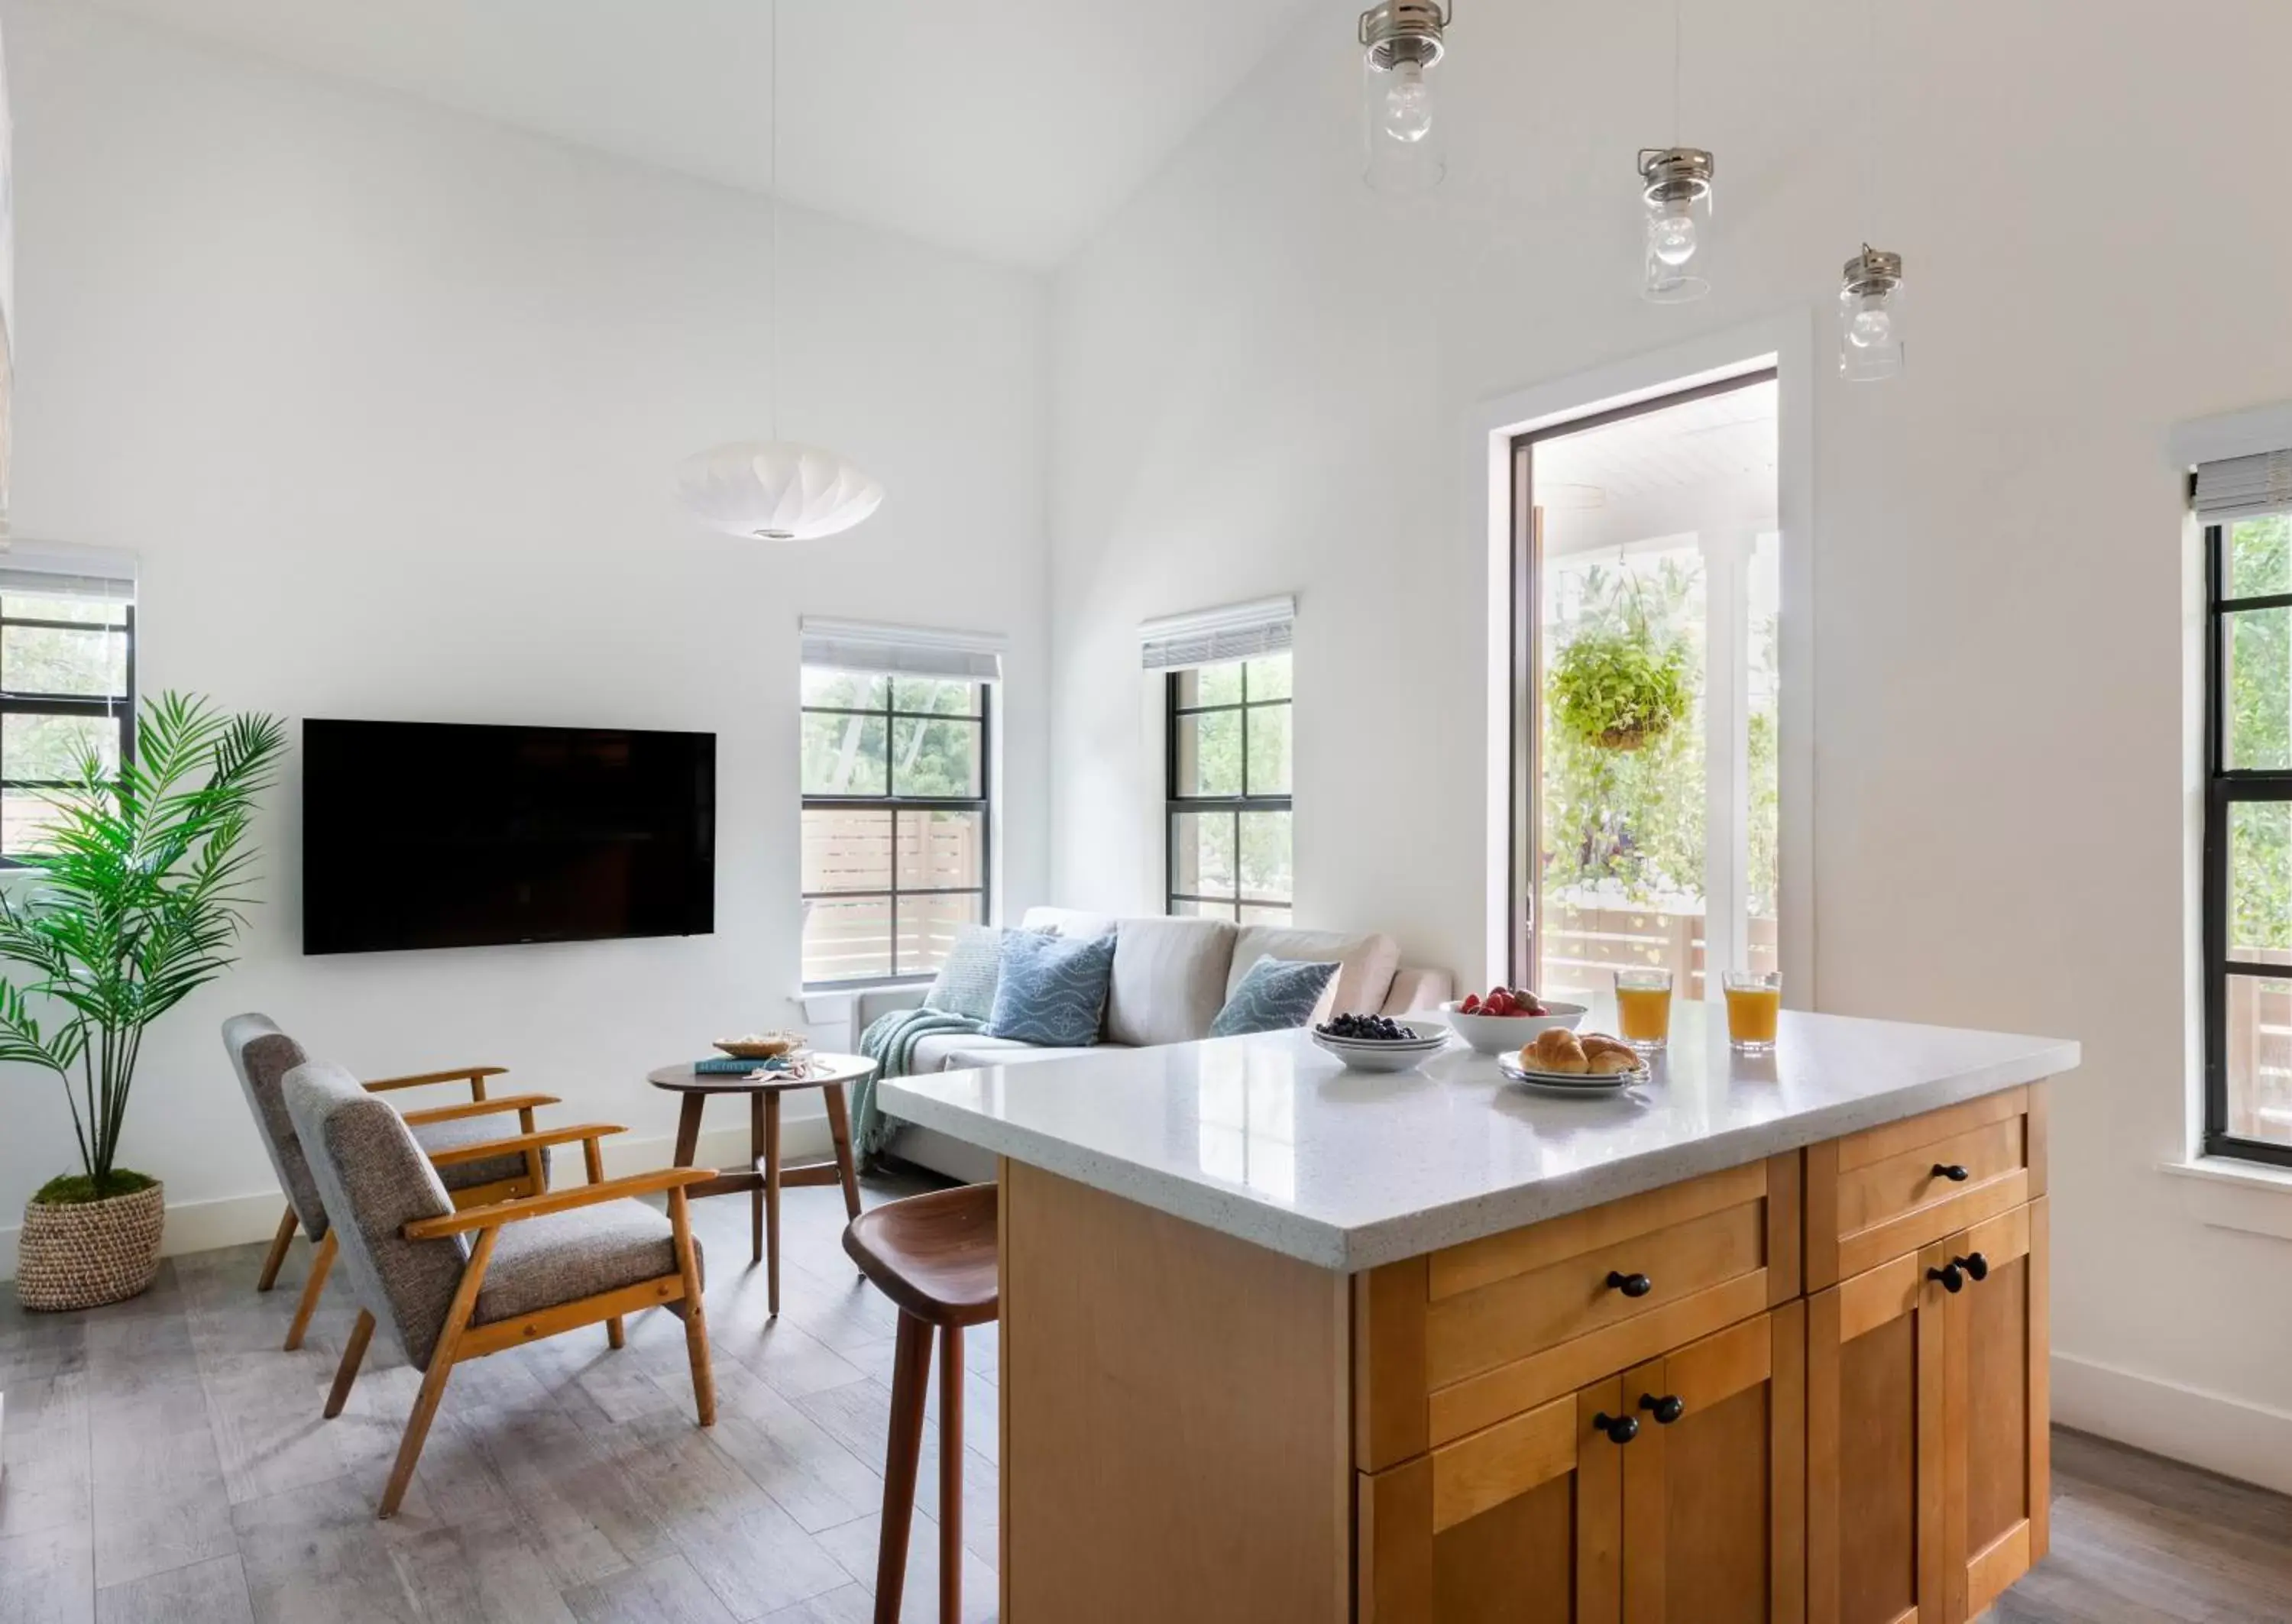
(1667, 1409)
(1630, 1285)
(1952, 1277)
(1619, 1428)
(1976, 1266)
(1952, 1171)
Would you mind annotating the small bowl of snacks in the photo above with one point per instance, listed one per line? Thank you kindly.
(762, 1045)
(1380, 1043)
(1506, 1017)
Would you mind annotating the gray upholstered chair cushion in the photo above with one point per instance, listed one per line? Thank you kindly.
(435, 1137)
(374, 1180)
(262, 1055)
(539, 1263)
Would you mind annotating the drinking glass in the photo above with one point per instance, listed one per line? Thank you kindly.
(1755, 1003)
(1643, 1007)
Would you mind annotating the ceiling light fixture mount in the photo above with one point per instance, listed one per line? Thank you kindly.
(1871, 317)
(1403, 42)
(1675, 199)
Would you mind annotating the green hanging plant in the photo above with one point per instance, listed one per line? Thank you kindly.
(1621, 689)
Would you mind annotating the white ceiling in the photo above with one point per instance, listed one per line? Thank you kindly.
(1710, 463)
(1008, 132)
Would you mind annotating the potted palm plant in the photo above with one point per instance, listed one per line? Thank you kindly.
(132, 905)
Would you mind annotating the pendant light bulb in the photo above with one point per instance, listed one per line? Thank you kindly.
(1871, 317)
(1402, 43)
(1676, 205)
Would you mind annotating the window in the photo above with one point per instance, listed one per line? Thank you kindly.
(66, 687)
(2248, 869)
(1228, 751)
(896, 798)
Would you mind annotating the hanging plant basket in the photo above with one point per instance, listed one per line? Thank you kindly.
(1620, 690)
(85, 1254)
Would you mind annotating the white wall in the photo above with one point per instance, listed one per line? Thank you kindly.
(388, 400)
(1263, 375)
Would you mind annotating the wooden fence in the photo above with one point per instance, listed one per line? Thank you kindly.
(1584, 947)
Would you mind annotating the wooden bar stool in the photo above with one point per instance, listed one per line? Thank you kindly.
(935, 1255)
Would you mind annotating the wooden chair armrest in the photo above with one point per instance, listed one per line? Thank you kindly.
(475, 1075)
(502, 1212)
(519, 1144)
(480, 1107)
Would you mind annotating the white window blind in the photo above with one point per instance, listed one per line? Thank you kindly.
(903, 651)
(2241, 487)
(1208, 637)
(87, 574)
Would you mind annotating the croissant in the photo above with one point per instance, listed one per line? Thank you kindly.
(1613, 1061)
(1555, 1050)
(1598, 1043)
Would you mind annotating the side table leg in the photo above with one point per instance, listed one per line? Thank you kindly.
(687, 1129)
(772, 1200)
(839, 1129)
(756, 1196)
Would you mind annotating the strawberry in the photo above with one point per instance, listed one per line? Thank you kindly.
(1499, 1003)
(1471, 1005)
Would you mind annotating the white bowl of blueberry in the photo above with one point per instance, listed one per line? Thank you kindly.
(1380, 1043)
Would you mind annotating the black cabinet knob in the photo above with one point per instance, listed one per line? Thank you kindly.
(1619, 1428)
(1952, 1171)
(1952, 1277)
(1630, 1285)
(1667, 1409)
(1975, 1264)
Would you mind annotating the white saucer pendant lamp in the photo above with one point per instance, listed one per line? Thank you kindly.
(776, 490)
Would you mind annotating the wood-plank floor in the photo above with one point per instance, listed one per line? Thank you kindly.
(165, 1461)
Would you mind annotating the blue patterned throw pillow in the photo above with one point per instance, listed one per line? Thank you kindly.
(1275, 995)
(1052, 989)
(966, 981)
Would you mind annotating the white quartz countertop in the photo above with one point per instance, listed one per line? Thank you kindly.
(1270, 1139)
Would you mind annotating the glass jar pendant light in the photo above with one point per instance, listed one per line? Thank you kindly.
(1871, 317)
(1675, 199)
(1403, 42)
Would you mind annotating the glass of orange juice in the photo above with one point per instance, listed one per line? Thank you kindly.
(1643, 1007)
(1754, 1005)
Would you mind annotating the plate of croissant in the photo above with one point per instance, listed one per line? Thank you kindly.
(1559, 1059)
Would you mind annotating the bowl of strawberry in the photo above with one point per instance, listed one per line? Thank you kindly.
(1505, 1018)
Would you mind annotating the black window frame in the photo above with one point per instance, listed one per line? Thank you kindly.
(892, 802)
(108, 707)
(2224, 787)
(1176, 804)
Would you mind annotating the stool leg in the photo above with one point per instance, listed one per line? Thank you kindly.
(773, 1203)
(911, 1377)
(950, 1475)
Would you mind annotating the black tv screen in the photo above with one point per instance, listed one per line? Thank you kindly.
(427, 834)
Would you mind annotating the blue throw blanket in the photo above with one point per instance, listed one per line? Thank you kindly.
(889, 1041)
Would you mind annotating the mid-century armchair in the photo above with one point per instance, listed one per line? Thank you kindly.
(452, 1285)
(476, 1166)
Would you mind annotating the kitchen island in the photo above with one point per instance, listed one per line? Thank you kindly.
(1763, 1339)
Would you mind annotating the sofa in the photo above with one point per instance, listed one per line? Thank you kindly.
(1171, 978)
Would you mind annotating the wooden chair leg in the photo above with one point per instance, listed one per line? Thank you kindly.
(773, 1203)
(910, 1380)
(441, 1367)
(280, 1242)
(353, 1355)
(615, 1335)
(696, 1313)
(950, 1475)
(592, 1162)
(839, 1130)
(321, 1260)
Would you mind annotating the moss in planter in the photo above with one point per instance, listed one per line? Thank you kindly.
(77, 1189)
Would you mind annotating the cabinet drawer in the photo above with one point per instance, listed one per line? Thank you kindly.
(1453, 1342)
(1875, 1195)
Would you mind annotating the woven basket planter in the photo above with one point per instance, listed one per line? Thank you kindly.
(90, 1254)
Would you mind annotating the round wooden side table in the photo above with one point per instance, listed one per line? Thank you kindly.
(767, 1177)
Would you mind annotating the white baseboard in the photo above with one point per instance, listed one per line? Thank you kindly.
(235, 1220)
(2229, 1436)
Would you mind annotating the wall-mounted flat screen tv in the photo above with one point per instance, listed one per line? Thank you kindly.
(429, 835)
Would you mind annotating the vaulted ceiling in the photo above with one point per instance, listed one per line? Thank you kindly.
(1005, 131)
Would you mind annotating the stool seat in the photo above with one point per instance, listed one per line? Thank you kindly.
(933, 1254)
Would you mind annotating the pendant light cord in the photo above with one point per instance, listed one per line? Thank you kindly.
(1869, 112)
(772, 179)
(1676, 75)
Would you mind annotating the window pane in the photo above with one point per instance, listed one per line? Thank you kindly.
(2260, 880)
(1187, 908)
(45, 660)
(843, 755)
(935, 758)
(846, 851)
(940, 698)
(848, 689)
(2260, 1058)
(2260, 556)
(1253, 915)
(1269, 750)
(25, 815)
(54, 746)
(86, 611)
(1265, 869)
(941, 851)
(847, 939)
(2259, 679)
(1268, 679)
(1201, 853)
(1210, 685)
(1209, 754)
(927, 928)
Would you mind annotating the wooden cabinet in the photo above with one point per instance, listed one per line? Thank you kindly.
(1670, 1495)
(1926, 1424)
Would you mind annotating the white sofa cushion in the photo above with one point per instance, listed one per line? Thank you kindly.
(967, 1054)
(932, 1050)
(1365, 963)
(1169, 979)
